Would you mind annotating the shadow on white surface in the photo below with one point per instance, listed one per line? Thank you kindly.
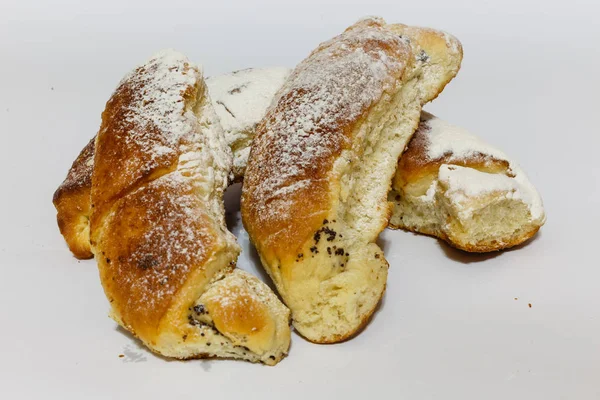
(471, 258)
(134, 351)
(384, 244)
(232, 199)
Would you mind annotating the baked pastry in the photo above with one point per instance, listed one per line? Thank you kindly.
(73, 203)
(240, 100)
(452, 185)
(157, 227)
(314, 198)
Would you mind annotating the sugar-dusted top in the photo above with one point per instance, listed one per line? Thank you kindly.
(143, 123)
(160, 169)
(311, 121)
(446, 139)
(463, 184)
(241, 99)
(158, 90)
(459, 153)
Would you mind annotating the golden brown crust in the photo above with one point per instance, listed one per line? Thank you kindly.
(486, 247)
(441, 52)
(415, 163)
(149, 230)
(483, 247)
(435, 144)
(140, 278)
(73, 204)
(267, 208)
(115, 148)
(240, 100)
(165, 257)
(345, 112)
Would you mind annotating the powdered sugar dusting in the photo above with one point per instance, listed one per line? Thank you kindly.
(175, 237)
(245, 93)
(241, 99)
(145, 120)
(455, 144)
(238, 290)
(159, 232)
(466, 182)
(445, 139)
(463, 184)
(158, 103)
(308, 124)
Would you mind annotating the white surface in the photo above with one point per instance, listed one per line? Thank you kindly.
(449, 326)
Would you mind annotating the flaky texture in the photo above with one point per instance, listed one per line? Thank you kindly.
(240, 100)
(315, 191)
(165, 257)
(451, 185)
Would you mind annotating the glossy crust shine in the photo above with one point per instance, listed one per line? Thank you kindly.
(165, 257)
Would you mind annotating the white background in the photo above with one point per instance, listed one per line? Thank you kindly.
(449, 326)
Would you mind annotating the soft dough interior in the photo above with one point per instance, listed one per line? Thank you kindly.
(345, 292)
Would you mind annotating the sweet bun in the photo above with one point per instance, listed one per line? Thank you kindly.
(452, 185)
(240, 100)
(314, 198)
(157, 226)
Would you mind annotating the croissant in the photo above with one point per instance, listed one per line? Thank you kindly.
(240, 100)
(157, 226)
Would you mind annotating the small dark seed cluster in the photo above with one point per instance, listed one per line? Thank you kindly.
(200, 309)
(423, 56)
(329, 235)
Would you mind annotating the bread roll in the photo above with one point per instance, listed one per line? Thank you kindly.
(314, 198)
(451, 185)
(240, 100)
(165, 256)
